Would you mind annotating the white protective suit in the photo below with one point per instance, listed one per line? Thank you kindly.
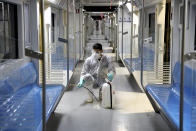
(95, 71)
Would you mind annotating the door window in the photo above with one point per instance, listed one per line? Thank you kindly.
(8, 31)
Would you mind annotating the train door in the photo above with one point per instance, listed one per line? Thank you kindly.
(8, 31)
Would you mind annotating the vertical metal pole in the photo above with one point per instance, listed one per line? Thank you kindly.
(122, 30)
(113, 29)
(142, 41)
(182, 69)
(111, 19)
(68, 41)
(43, 66)
(8, 21)
(109, 28)
(4, 38)
(74, 30)
(80, 30)
(131, 34)
(86, 32)
(117, 37)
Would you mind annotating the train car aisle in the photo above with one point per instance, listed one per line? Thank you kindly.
(132, 111)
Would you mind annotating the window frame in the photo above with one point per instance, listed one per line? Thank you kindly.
(12, 35)
(27, 32)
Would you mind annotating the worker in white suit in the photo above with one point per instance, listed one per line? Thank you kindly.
(96, 69)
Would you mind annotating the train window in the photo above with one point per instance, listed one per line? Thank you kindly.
(152, 26)
(26, 24)
(53, 27)
(8, 31)
(151, 20)
(188, 15)
(181, 15)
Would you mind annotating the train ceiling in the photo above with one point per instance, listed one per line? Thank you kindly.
(101, 2)
(99, 5)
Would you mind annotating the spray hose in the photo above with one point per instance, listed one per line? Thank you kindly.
(107, 81)
(92, 93)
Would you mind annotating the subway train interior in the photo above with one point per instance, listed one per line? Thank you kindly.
(45, 44)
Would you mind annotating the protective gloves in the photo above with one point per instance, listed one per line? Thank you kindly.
(81, 83)
(110, 76)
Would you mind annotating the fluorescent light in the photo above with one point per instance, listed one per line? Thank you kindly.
(129, 6)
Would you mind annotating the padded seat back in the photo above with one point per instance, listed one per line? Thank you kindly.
(5, 89)
(189, 77)
(148, 54)
(19, 78)
(189, 80)
(176, 74)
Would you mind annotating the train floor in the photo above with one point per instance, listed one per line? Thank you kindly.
(132, 112)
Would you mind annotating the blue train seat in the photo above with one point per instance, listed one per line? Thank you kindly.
(64, 64)
(60, 59)
(21, 100)
(148, 61)
(127, 63)
(169, 97)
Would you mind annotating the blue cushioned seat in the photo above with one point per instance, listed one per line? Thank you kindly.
(59, 59)
(20, 100)
(127, 62)
(169, 97)
(63, 62)
(148, 61)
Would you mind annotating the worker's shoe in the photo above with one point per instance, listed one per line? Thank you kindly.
(89, 100)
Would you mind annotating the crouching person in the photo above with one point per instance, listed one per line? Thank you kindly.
(95, 70)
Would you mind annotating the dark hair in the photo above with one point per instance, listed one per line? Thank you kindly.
(97, 46)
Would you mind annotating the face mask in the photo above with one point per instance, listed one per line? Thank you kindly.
(96, 55)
